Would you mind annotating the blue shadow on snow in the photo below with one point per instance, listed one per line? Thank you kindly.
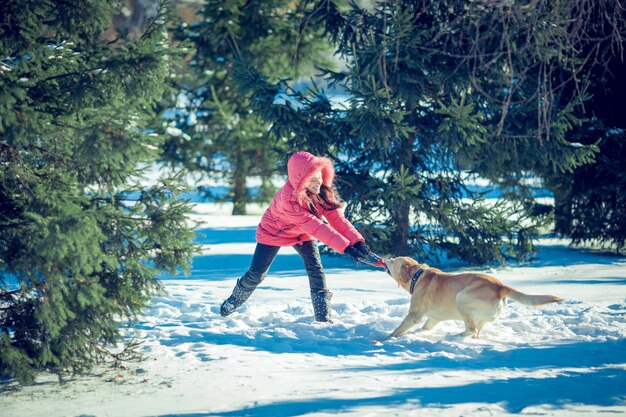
(212, 236)
(599, 388)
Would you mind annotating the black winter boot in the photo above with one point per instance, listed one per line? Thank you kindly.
(236, 299)
(321, 305)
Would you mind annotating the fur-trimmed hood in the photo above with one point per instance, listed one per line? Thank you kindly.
(302, 166)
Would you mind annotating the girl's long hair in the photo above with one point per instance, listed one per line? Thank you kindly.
(327, 198)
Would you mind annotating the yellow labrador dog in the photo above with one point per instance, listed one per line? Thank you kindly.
(474, 298)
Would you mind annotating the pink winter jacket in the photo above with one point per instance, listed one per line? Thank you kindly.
(288, 220)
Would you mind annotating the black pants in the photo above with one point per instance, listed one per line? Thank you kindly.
(264, 256)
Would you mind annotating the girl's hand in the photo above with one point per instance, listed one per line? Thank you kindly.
(354, 253)
(363, 249)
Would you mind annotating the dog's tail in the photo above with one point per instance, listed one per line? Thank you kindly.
(531, 300)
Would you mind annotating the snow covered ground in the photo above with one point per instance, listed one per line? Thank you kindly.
(271, 359)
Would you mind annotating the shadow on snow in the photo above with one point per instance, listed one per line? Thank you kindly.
(592, 387)
(212, 236)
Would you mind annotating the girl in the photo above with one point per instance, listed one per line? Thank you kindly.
(294, 218)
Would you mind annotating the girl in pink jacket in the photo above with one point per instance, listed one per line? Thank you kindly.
(294, 218)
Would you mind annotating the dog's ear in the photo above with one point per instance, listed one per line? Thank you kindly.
(405, 272)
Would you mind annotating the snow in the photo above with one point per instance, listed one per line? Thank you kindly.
(284, 99)
(271, 359)
(173, 131)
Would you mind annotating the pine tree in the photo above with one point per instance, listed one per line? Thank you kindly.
(81, 241)
(592, 200)
(216, 132)
(440, 91)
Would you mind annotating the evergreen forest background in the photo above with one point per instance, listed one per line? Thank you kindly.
(415, 101)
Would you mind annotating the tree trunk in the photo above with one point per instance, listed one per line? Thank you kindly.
(401, 211)
(400, 235)
(562, 210)
(240, 192)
